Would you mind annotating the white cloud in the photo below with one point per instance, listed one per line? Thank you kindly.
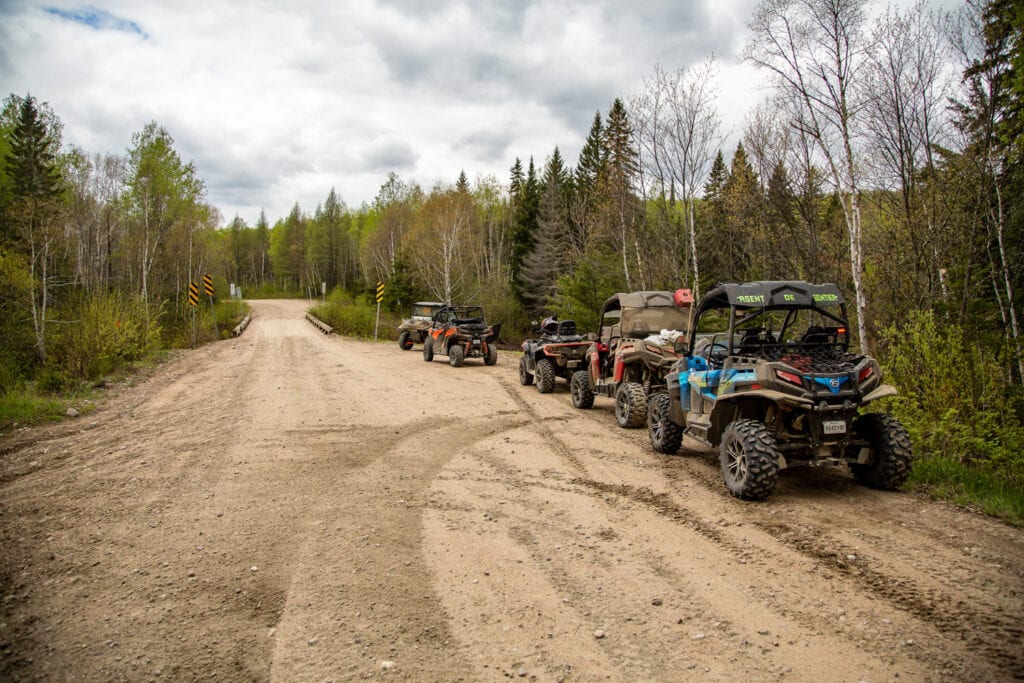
(279, 102)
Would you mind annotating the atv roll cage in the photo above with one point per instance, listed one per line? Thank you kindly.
(800, 324)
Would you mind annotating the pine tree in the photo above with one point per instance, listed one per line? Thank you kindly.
(549, 258)
(525, 227)
(34, 204)
(621, 211)
(743, 202)
(583, 204)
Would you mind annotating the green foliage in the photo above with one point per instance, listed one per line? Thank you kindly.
(352, 317)
(18, 355)
(954, 399)
(110, 331)
(946, 478)
(582, 293)
(26, 406)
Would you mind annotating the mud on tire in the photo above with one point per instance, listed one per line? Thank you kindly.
(404, 342)
(428, 349)
(893, 454)
(666, 436)
(631, 405)
(749, 457)
(545, 376)
(579, 388)
(525, 376)
(456, 354)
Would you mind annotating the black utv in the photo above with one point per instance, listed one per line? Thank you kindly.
(557, 352)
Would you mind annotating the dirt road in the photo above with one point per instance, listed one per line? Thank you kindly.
(294, 506)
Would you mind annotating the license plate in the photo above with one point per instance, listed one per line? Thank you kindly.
(833, 427)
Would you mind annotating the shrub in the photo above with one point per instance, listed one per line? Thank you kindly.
(106, 332)
(956, 404)
(353, 317)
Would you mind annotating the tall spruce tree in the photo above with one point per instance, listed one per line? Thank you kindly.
(30, 217)
(549, 258)
(525, 224)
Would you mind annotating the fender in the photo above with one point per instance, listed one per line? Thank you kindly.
(880, 391)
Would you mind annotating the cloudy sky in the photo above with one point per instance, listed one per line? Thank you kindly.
(278, 102)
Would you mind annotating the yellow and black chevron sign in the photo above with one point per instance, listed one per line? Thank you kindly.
(193, 293)
(208, 285)
(380, 292)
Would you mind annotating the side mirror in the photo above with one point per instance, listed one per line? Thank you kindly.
(591, 337)
(680, 346)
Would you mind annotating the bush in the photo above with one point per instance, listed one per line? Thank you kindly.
(957, 406)
(106, 332)
(353, 317)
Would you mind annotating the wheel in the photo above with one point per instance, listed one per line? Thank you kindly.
(428, 350)
(456, 354)
(579, 388)
(666, 435)
(404, 342)
(492, 355)
(750, 460)
(631, 405)
(890, 466)
(525, 376)
(545, 376)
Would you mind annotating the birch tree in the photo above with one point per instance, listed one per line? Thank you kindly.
(679, 131)
(815, 50)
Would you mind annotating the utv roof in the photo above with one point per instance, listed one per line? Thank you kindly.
(775, 294)
(639, 300)
(429, 303)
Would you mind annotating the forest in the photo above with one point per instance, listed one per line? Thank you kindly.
(885, 159)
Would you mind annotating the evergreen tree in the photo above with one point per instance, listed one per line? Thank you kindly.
(30, 217)
(462, 184)
(744, 234)
(784, 254)
(549, 259)
(525, 223)
(620, 208)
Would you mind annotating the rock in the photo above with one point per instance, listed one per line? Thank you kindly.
(599, 634)
(699, 636)
(521, 672)
(254, 568)
(71, 412)
(387, 664)
(656, 602)
(763, 631)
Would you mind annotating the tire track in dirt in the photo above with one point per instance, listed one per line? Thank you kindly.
(998, 636)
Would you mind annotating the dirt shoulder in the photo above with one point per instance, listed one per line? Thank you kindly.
(295, 506)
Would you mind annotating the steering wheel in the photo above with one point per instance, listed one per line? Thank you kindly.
(716, 350)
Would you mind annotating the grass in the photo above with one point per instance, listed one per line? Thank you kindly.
(971, 487)
(25, 406)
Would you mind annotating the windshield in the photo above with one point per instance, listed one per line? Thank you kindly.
(640, 322)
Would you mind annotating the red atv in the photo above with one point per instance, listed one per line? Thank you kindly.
(633, 352)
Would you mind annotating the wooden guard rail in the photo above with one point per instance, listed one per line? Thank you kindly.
(319, 324)
(240, 327)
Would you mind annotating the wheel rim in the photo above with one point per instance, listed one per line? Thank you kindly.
(576, 393)
(736, 461)
(621, 405)
(657, 424)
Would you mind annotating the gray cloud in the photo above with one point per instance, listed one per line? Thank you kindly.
(389, 155)
(278, 102)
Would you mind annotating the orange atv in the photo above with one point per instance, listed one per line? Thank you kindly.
(461, 332)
